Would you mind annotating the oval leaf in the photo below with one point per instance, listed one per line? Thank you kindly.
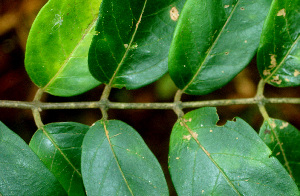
(22, 172)
(116, 161)
(132, 47)
(278, 57)
(56, 56)
(59, 146)
(223, 160)
(284, 141)
(213, 41)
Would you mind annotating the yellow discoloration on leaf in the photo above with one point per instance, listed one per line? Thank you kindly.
(177, 158)
(174, 14)
(287, 80)
(284, 125)
(266, 72)
(211, 131)
(273, 61)
(226, 6)
(296, 73)
(187, 137)
(281, 12)
(276, 80)
(195, 135)
(278, 153)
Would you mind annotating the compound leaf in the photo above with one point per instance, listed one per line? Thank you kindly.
(21, 171)
(56, 56)
(284, 141)
(116, 161)
(278, 57)
(58, 145)
(213, 41)
(223, 160)
(132, 45)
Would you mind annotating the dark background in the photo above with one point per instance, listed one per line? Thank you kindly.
(16, 17)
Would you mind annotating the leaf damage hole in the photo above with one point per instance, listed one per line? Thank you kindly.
(226, 53)
(174, 14)
(242, 8)
(281, 12)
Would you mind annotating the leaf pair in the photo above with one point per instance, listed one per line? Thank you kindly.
(129, 47)
(224, 160)
(70, 158)
(215, 40)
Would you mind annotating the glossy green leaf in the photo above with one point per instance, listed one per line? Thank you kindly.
(132, 47)
(21, 171)
(278, 57)
(116, 161)
(284, 141)
(213, 41)
(223, 160)
(57, 47)
(59, 146)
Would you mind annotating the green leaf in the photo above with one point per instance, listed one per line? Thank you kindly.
(132, 47)
(213, 41)
(59, 146)
(223, 160)
(56, 56)
(278, 57)
(284, 141)
(21, 171)
(116, 161)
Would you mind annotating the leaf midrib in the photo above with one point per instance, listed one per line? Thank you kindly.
(283, 60)
(211, 48)
(128, 47)
(115, 157)
(183, 121)
(85, 34)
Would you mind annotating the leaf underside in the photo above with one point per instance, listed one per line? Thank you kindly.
(132, 45)
(227, 160)
(58, 145)
(116, 161)
(21, 171)
(213, 41)
(278, 57)
(284, 141)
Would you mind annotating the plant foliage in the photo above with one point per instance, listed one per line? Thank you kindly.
(74, 46)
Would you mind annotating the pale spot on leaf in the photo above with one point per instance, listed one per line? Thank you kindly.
(287, 80)
(177, 158)
(276, 80)
(187, 137)
(126, 45)
(278, 153)
(266, 72)
(211, 131)
(195, 135)
(296, 73)
(281, 12)
(273, 61)
(174, 14)
(226, 6)
(284, 125)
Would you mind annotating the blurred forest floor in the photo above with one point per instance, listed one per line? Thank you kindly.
(16, 17)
